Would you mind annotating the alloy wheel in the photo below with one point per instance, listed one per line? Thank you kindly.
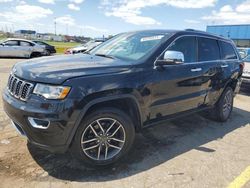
(103, 139)
(227, 105)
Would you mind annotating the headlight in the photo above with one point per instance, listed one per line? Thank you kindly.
(51, 92)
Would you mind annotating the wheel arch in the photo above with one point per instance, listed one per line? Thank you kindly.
(126, 100)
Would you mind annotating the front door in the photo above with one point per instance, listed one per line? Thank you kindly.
(179, 87)
(10, 48)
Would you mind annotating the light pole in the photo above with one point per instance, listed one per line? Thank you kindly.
(55, 24)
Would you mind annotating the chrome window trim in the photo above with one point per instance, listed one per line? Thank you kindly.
(214, 38)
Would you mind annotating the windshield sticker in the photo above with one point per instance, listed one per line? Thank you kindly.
(157, 37)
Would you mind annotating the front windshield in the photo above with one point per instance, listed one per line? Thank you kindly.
(130, 46)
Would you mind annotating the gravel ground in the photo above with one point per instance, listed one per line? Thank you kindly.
(188, 152)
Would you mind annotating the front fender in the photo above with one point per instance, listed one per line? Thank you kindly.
(97, 101)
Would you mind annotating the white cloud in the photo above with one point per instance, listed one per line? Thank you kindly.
(226, 8)
(92, 28)
(76, 1)
(192, 21)
(131, 10)
(70, 21)
(23, 13)
(5, 1)
(66, 20)
(244, 7)
(47, 1)
(73, 7)
(231, 15)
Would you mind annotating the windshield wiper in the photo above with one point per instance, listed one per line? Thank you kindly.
(104, 55)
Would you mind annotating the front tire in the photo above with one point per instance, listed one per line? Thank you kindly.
(103, 137)
(224, 106)
(47, 52)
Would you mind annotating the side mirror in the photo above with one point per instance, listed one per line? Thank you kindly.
(242, 55)
(171, 58)
(2, 44)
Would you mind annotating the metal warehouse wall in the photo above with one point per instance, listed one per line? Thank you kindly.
(231, 31)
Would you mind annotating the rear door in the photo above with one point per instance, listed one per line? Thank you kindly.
(229, 62)
(25, 49)
(209, 62)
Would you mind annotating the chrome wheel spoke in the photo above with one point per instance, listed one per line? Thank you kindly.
(99, 152)
(117, 140)
(106, 152)
(88, 141)
(110, 126)
(92, 147)
(115, 131)
(116, 147)
(93, 130)
(99, 124)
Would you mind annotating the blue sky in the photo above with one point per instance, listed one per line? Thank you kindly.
(104, 17)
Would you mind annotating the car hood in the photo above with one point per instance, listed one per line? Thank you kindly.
(57, 69)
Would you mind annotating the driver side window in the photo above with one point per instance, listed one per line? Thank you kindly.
(11, 43)
(186, 45)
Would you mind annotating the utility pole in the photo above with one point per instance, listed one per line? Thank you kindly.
(55, 25)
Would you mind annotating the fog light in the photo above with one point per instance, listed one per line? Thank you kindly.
(39, 123)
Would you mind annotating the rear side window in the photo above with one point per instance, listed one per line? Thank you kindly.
(208, 49)
(23, 43)
(227, 51)
(186, 45)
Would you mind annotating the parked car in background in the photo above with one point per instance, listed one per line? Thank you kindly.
(246, 72)
(244, 52)
(84, 47)
(13, 47)
(49, 49)
(94, 103)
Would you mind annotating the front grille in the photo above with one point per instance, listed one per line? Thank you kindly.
(18, 88)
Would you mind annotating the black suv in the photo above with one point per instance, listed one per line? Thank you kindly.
(94, 103)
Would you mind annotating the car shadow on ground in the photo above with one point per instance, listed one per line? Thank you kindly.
(152, 147)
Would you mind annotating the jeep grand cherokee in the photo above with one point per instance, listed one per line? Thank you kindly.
(92, 104)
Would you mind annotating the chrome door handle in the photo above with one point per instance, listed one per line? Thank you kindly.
(196, 70)
(224, 66)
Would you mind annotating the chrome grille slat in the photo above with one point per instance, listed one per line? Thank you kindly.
(18, 88)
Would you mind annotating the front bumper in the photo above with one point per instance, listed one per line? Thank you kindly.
(57, 137)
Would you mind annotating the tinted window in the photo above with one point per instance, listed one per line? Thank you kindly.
(186, 45)
(227, 51)
(23, 43)
(11, 43)
(208, 49)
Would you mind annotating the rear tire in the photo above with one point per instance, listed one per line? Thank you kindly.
(35, 54)
(109, 132)
(223, 108)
